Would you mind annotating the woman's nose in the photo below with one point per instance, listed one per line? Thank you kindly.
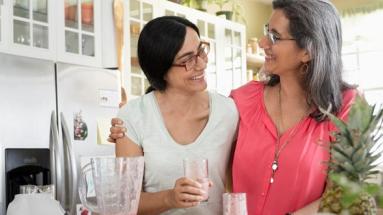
(201, 63)
(264, 42)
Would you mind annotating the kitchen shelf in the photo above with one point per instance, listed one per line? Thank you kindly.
(254, 60)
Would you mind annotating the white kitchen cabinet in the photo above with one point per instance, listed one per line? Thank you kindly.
(227, 58)
(71, 31)
(79, 32)
(233, 72)
(27, 28)
(137, 14)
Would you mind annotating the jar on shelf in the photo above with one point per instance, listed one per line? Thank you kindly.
(254, 45)
(249, 49)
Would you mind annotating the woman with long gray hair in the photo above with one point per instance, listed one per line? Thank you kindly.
(279, 156)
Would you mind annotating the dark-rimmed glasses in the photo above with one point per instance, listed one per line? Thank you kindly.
(191, 62)
(273, 38)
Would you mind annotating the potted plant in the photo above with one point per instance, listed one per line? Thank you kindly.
(226, 13)
(234, 12)
(196, 4)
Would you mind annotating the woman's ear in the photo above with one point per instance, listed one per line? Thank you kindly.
(306, 57)
(165, 77)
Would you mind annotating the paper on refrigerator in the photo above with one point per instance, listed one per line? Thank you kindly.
(103, 128)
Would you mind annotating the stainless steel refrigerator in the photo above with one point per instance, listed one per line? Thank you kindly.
(59, 106)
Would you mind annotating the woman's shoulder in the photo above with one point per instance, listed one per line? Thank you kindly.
(223, 102)
(251, 88)
(350, 94)
(137, 106)
(248, 95)
(224, 110)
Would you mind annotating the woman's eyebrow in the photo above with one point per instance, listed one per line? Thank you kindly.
(189, 53)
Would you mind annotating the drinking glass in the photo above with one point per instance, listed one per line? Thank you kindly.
(31, 189)
(234, 204)
(28, 189)
(197, 169)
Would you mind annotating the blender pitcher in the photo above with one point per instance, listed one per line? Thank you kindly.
(115, 184)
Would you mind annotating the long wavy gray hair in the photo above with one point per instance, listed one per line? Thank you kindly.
(316, 27)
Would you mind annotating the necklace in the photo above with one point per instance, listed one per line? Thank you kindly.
(279, 147)
(278, 150)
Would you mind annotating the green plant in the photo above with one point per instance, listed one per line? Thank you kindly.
(221, 3)
(196, 4)
(234, 7)
(237, 12)
(355, 151)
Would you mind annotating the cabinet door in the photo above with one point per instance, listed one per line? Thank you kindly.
(140, 12)
(208, 33)
(79, 39)
(31, 28)
(168, 8)
(233, 72)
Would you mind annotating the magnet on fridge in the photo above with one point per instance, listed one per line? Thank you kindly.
(80, 129)
(108, 98)
(81, 210)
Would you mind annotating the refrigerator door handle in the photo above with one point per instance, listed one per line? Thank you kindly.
(70, 159)
(56, 159)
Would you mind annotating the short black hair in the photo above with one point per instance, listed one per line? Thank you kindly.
(158, 44)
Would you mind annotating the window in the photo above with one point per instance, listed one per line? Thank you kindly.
(363, 53)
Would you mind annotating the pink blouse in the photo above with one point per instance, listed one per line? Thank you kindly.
(301, 174)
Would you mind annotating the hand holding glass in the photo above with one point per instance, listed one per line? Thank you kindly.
(197, 169)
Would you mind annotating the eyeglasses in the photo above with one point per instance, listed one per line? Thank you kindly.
(271, 36)
(191, 62)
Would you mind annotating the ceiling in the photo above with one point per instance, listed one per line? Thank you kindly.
(262, 1)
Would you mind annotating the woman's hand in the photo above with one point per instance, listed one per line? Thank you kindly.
(117, 130)
(186, 193)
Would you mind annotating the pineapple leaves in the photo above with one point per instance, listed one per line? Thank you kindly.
(338, 123)
(356, 151)
(362, 115)
(351, 191)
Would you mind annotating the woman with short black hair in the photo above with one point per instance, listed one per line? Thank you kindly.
(177, 119)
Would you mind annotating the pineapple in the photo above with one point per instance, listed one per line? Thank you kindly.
(355, 150)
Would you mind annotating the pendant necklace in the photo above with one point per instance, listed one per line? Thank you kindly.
(279, 147)
(278, 150)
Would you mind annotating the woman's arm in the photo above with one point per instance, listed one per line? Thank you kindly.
(186, 193)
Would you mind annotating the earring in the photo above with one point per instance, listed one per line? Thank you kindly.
(305, 68)
(263, 75)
